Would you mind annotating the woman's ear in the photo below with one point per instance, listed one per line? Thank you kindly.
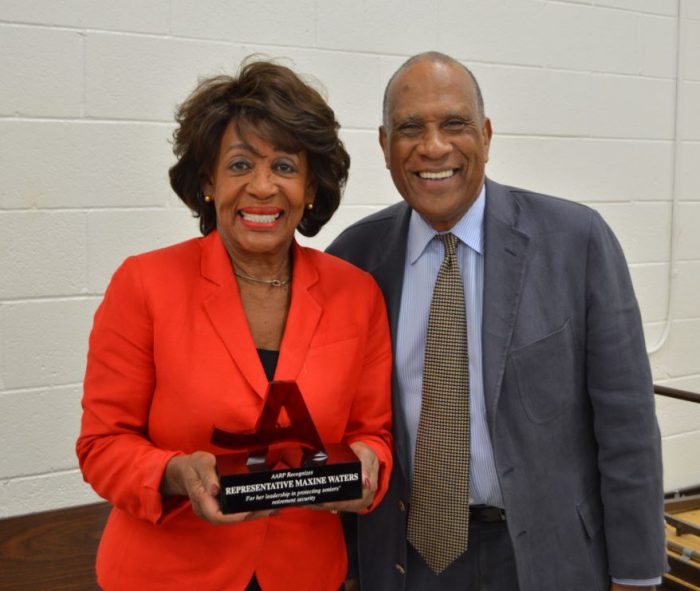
(311, 189)
(207, 187)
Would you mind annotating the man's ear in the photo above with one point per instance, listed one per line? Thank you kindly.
(486, 133)
(384, 143)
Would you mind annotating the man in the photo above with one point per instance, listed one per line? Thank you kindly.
(564, 480)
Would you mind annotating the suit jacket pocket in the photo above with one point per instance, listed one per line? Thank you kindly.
(546, 374)
(590, 510)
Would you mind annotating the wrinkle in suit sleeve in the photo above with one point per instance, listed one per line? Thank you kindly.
(115, 454)
(621, 393)
(370, 415)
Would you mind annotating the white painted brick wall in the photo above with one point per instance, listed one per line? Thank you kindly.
(581, 93)
(42, 71)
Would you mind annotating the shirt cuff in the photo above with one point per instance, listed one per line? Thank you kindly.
(638, 582)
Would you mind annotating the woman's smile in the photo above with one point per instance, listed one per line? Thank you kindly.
(260, 217)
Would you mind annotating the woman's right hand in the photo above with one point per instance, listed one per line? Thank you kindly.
(194, 476)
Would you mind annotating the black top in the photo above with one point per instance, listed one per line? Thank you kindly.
(269, 362)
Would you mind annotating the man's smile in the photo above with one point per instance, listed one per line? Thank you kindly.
(436, 175)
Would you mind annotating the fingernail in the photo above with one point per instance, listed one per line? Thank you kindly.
(365, 482)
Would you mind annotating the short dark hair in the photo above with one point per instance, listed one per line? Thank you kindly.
(433, 56)
(273, 101)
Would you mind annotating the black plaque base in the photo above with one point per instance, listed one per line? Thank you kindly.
(294, 480)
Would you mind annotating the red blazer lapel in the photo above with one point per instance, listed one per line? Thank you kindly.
(304, 315)
(224, 310)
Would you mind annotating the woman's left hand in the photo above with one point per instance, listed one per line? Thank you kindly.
(194, 476)
(370, 477)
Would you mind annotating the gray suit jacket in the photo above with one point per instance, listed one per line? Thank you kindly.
(568, 391)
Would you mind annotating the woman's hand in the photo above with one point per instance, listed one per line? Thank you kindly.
(370, 477)
(194, 476)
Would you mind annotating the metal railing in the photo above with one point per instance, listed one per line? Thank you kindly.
(674, 393)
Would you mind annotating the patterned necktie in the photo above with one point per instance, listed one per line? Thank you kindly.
(438, 520)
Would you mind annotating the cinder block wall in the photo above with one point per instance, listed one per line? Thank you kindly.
(593, 100)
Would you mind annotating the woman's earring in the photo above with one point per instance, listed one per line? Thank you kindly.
(309, 206)
(208, 199)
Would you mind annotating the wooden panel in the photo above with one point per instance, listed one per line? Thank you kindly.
(53, 550)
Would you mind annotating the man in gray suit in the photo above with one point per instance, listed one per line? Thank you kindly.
(565, 482)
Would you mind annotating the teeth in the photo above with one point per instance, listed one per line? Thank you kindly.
(435, 176)
(257, 218)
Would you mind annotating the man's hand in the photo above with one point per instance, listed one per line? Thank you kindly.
(194, 476)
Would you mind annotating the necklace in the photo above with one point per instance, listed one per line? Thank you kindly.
(272, 282)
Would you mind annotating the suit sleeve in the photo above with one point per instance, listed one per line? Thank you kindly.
(115, 454)
(621, 391)
(370, 414)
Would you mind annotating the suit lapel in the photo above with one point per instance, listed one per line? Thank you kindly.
(389, 270)
(224, 310)
(388, 273)
(504, 271)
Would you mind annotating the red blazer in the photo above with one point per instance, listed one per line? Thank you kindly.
(171, 355)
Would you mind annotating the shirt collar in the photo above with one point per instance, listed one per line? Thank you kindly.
(468, 229)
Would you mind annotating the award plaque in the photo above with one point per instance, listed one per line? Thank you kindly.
(274, 467)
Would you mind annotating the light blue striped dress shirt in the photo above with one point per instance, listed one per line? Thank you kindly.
(423, 259)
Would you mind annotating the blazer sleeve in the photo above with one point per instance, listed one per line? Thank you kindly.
(370, 414)
(115, 454)
(621, 392)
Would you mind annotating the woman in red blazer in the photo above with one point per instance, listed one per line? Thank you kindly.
(189, 337)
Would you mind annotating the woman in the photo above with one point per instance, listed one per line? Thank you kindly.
(189, 336)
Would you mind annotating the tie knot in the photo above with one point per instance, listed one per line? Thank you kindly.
(450, 242)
